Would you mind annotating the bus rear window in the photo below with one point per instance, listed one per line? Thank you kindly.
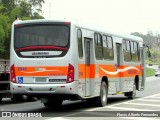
(47, 37)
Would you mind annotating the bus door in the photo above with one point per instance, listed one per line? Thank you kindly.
(87, 48)
(118, 66)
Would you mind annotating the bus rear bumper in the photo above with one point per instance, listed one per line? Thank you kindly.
(69, 88)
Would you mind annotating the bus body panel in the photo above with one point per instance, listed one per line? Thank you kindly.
(48, 75)
(43, 75)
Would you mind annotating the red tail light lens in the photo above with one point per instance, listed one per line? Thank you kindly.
(70, 76)
(67, 23)
(12, 74)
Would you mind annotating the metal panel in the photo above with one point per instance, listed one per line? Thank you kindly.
(87, 68)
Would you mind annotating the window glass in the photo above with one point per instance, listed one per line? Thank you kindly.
(42, 37)
(127, 50)
(98, 46)
(124, 44)
(110, 43)
(134, 51)
(44, 34)
(105, 41)
(108, 47)
(80, 44)
(127, 45)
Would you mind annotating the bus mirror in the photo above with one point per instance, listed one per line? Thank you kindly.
(148, 53)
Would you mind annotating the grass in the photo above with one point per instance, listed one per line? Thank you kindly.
(150, 72)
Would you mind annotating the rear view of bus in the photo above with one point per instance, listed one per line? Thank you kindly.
(40, 63)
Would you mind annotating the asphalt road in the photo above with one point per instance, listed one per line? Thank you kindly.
(78, 109)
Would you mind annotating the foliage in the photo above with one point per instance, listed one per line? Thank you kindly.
(8, 5)
(9, 10)
(25, 9)
(4, 29)
(150, 72)
(153, 41)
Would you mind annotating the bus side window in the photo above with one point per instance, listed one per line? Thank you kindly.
(127, 50)
(98, 46)
(80, 44)
(139, 58)
(108, 47)
(134, 51)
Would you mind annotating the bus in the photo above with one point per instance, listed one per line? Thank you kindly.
(59, 60)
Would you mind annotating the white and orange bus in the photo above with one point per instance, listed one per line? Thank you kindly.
(61, 60)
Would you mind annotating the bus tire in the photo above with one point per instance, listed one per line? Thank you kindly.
(17, 98)
(53, 103)
(31, 98)
(103, 94)
(131, 95)
(0, 98)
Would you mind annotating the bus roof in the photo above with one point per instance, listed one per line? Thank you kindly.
(86, 26)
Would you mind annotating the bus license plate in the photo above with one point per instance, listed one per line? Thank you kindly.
(40, 80)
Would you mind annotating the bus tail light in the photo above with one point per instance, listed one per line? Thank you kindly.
(12, 74)
(70, 76)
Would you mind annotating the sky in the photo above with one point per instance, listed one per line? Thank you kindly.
(118, 15)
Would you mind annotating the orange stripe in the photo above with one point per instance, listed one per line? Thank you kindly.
(91, 71)
(110, 71)
(86, 71)
(41, 71)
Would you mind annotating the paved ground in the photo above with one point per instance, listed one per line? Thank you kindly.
(147, 108)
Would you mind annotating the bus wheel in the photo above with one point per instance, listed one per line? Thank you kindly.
(131, 95)
(31, 98)
(18, 98)
(53, 103)
(103, 94)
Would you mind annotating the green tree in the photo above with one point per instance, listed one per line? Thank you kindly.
(3, 10)
(9, 5)
(37, 16)
(14, 13)
(4, 33)
(37, 4)
(148, 39)
(25, 9)
(9, 10)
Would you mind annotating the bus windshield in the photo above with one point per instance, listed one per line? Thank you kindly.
(48, 37)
